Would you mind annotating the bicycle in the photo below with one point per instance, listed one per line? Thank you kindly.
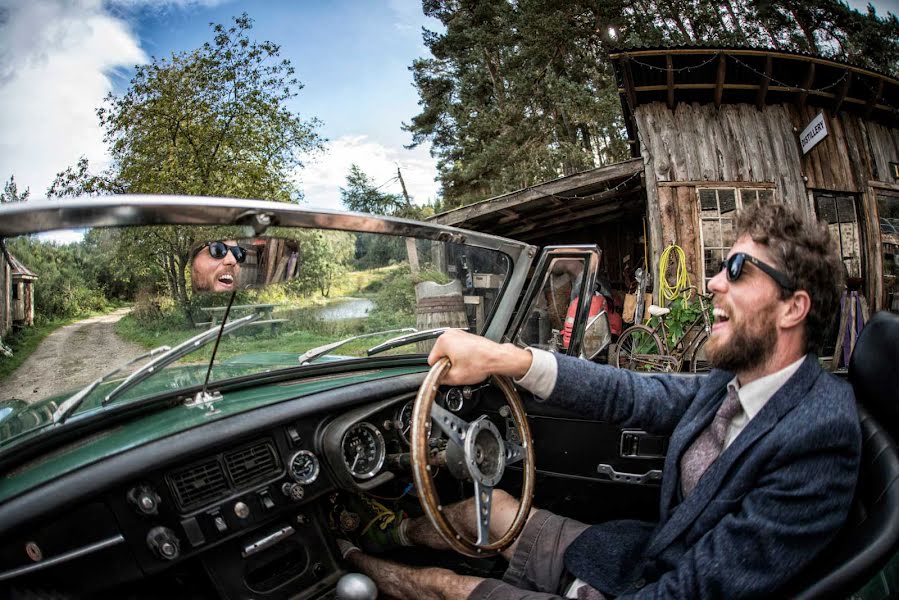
(644, 348)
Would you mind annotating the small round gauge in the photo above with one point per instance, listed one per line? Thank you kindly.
(363, 450)
(304, 467)
(403, 420)
(454, 399)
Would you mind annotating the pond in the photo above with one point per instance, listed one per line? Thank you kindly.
(346, 308)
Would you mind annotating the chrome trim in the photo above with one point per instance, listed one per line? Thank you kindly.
(83, 551)
(298, 478)
(381, 450)
(21, 218)
(267, 542)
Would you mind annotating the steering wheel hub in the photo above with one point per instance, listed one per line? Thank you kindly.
(484, 452)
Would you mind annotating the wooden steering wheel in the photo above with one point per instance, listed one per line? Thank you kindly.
(483, 455)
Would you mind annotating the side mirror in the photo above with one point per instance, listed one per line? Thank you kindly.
(597, 335)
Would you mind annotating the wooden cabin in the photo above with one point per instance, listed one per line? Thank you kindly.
(21, 293)
(711, 130)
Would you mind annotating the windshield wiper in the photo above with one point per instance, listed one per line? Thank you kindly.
(168, 356)
(318, 351)
(74, 401)
(402, 340)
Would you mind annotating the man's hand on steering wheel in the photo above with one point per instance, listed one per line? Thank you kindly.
(475, 358)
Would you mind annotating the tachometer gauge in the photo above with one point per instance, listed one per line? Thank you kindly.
(454, 399)
(304, 467)
(363, 450)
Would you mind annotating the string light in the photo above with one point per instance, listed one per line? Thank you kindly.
(782, 84)
(620, 185)
(678, 70)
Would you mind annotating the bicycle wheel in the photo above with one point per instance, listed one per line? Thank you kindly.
(699, 363)
(639, 349)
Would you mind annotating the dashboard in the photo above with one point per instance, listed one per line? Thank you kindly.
(243, 500)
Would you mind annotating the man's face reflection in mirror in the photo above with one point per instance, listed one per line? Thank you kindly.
(215, 266)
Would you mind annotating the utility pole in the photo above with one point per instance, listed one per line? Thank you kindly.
(411, 250)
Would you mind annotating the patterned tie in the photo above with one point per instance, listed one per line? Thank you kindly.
(708, 446)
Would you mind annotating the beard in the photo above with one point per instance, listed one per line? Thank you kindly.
(751, 343)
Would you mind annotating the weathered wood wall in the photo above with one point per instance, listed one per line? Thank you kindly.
(5, 295)
(739, 144)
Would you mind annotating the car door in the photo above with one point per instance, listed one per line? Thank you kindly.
(587, 469)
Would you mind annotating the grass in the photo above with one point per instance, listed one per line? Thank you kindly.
(25, 341)
(301, 332)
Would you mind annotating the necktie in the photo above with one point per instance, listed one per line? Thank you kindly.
(709, 444)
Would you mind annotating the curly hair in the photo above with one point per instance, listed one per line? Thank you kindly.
(803, 250)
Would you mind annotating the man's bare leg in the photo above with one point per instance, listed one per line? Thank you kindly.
(461, 515)
(409, 583)
(431, 583)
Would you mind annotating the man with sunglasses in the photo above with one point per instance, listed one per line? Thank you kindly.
(215, 265)
(762, 459)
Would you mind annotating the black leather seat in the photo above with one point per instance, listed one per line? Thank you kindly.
(871, 536)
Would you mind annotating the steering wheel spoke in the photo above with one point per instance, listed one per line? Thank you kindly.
(454, 427)
(483, 502)
(514, 452)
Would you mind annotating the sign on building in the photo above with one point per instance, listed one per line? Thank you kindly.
(813, 133)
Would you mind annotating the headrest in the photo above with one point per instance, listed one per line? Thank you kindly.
(874, 370)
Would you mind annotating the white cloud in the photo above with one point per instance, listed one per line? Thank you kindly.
(57, 61)
(322, 178)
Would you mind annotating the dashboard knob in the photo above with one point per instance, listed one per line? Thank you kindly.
(144, 499)
(163, 542)
(294, 491)
(241, 510)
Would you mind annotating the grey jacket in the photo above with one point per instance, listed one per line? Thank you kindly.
(761, 512)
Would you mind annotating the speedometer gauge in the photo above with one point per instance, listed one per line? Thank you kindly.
(363, 450)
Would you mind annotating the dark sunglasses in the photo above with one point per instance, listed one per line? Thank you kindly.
(219, 250)
(733, 267)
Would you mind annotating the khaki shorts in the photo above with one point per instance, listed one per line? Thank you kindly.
(537, 570)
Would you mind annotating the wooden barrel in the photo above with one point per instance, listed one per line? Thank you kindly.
(438, 305)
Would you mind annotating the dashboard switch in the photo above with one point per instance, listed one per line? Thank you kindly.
(220, 523)
(144, 499)
(294, 436)
(193, 532)
(267, 502)
(294, 491)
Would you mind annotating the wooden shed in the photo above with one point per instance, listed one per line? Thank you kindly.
(711, 130)
(21, 293)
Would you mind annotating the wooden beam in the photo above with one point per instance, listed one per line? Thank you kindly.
(841, 93)
(629, 83)
(766, 81)
(874, 99)
(558, 227)
(807, 84)
(719, 83)
(555, 187)
(670, 75)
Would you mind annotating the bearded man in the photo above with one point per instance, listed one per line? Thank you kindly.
(215, 265)
(762, 460)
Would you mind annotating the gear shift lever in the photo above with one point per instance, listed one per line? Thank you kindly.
(356, 586)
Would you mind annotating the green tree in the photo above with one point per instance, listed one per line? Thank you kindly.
(212, 121)
(325, 256)
(11, 192)
(517, 92)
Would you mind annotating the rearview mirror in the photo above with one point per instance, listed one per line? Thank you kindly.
(235, 264)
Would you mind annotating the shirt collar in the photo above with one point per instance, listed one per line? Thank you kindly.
(755, 394)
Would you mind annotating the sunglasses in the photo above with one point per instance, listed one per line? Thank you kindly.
(733, 267)
(219, 250)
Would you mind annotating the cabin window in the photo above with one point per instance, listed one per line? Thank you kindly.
(888, 211)
(717, 209)
(15, 291)
(839, 212)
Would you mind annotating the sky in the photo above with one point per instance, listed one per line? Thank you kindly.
(59, 58)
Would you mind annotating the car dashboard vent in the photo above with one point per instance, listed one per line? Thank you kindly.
(199, 484)
(252, 464)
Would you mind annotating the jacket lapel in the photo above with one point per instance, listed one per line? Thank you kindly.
(698, 416)
(784, 400)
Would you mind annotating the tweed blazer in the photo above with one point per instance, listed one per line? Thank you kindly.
(762, 511)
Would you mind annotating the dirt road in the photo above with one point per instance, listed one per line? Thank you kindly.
(70, 357)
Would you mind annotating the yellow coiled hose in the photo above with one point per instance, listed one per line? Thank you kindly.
(667, 291)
